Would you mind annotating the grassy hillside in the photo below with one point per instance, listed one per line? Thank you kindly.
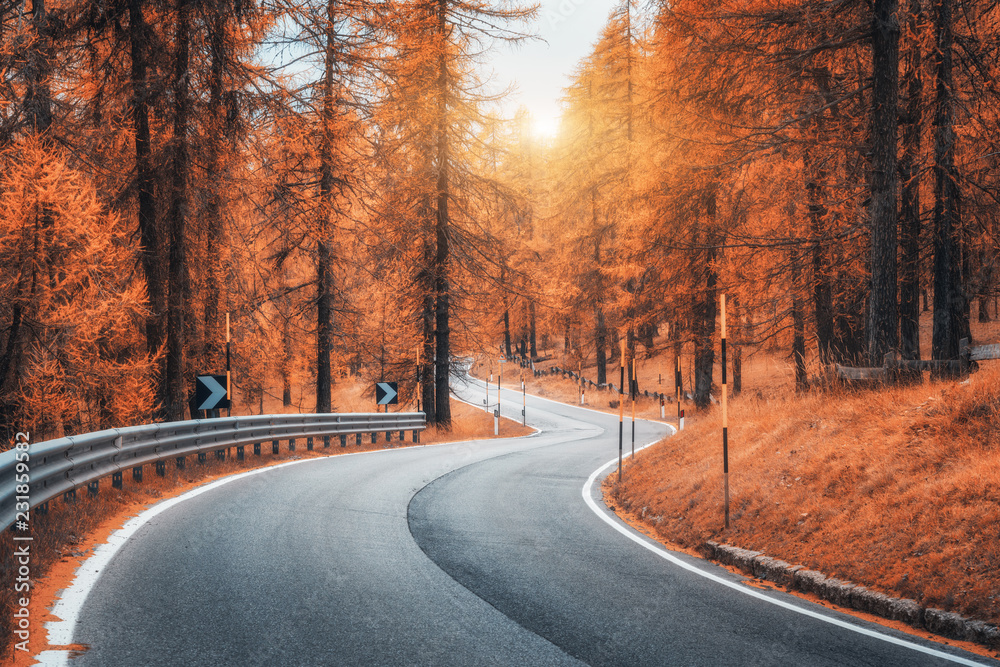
(897, 489)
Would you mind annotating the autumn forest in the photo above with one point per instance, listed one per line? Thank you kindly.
(340, 179)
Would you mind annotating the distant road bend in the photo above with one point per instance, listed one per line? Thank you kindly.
(486, 552)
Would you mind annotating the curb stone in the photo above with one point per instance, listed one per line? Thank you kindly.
(846, 594)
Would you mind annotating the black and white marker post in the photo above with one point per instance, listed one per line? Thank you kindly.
(677, 388)
(524, 402)
(496, 413)
(725, 418)
(229, 393)
(634, 390)
(621, 410)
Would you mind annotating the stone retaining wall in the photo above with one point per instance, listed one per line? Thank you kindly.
(847, 594)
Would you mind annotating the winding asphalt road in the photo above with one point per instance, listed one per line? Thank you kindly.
(473, 553)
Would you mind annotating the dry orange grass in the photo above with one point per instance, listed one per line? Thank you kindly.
(65, 536)
(897, 489)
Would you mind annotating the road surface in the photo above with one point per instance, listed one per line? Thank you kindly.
(477, 553)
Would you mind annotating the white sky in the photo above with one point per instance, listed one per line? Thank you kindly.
(542, 69)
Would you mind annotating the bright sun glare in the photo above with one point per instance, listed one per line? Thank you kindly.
(545, 126)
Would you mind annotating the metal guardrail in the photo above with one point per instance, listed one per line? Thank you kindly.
(65, 464)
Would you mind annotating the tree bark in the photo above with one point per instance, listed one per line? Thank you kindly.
(822, 293)
(704, 310)
(37, 72)
(601, 346)
(949, 301)
(149, 234)
(442, 288)
(177, 219)
(532, 331)
(798, 322)
(426, 279)
(883, 313)
(324, 275)
(909, 173)
(736, 344)
(506, 332)
(214, 248)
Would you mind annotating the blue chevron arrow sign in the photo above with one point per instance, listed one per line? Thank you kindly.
(386, 393)
(210, 392)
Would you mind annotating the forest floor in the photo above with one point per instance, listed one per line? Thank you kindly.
(65, 536)
(897, 488)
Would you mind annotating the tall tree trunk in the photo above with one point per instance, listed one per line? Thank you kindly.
(849, 320)
(532, 329)
(883, 313)
(601, 327)
(506, 332)
(949, 300)
(426, 281)
(442, 258)
(149, 234)
(798, 321)
(822, 293)
(736, 344)
(214, 248)
(909, 173)
(985, 284)
(177, 218)
(816, 177)
(286, 363)
(324, 274)
(37, 72)
(601, 346)
(704, 310)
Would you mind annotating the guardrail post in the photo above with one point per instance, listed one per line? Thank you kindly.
(402, 435)
(220, 454)
(374, 438)
(343, 440)
(256, 449)
(416, 437)
(357, 439)
(93, 487)
(201, 457)
(161, 468)
(43, 508)
(326, 442)
(239, 452)
(388, 436)
(309, 443)
(274, 446)
(137, 474)
(69, 496)
(181, 462)
(116, 479)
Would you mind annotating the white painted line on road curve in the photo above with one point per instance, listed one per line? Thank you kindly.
(70, 603)
(666, 555)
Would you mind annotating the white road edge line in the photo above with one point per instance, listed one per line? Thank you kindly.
(71, 600)
(666, 555)
(565, 405)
